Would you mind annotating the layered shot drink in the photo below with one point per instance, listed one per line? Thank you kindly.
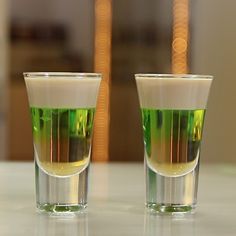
(62, 107)
(173, 110)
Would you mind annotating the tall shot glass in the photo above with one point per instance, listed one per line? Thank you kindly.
(173, 109)
(62, 107)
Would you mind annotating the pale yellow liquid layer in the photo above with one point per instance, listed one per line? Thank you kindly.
(64, 168)
(172, 169)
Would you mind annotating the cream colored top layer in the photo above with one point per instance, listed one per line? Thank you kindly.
(173, 93)
(62, 92)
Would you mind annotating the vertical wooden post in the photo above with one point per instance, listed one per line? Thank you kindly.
(102, 61)
(180, 36)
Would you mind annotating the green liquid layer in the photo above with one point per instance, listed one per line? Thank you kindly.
(172, 139)
(62, 139)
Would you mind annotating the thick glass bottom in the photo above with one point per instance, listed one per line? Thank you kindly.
(171, 209)
(171, 195)
(61, 196)
(59, 209)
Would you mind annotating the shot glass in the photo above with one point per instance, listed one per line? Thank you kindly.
(173, 109)
(62, 107)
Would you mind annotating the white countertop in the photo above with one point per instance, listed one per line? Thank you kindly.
(116, 205)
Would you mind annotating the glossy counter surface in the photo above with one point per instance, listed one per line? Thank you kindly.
(116, 205)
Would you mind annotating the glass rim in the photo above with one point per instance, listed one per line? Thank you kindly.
(62, 74)
(174, 76)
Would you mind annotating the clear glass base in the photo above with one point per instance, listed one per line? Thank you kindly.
(171, 195)
(59, 209)
(61, 196)
(171, 209)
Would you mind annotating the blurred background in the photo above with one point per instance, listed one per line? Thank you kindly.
(118, 38)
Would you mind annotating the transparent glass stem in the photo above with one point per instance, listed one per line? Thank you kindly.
(60, 195)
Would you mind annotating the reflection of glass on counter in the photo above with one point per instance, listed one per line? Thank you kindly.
(54, 226)
(155, 225)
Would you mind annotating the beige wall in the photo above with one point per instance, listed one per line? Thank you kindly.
(214, 52)
(3, 75)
